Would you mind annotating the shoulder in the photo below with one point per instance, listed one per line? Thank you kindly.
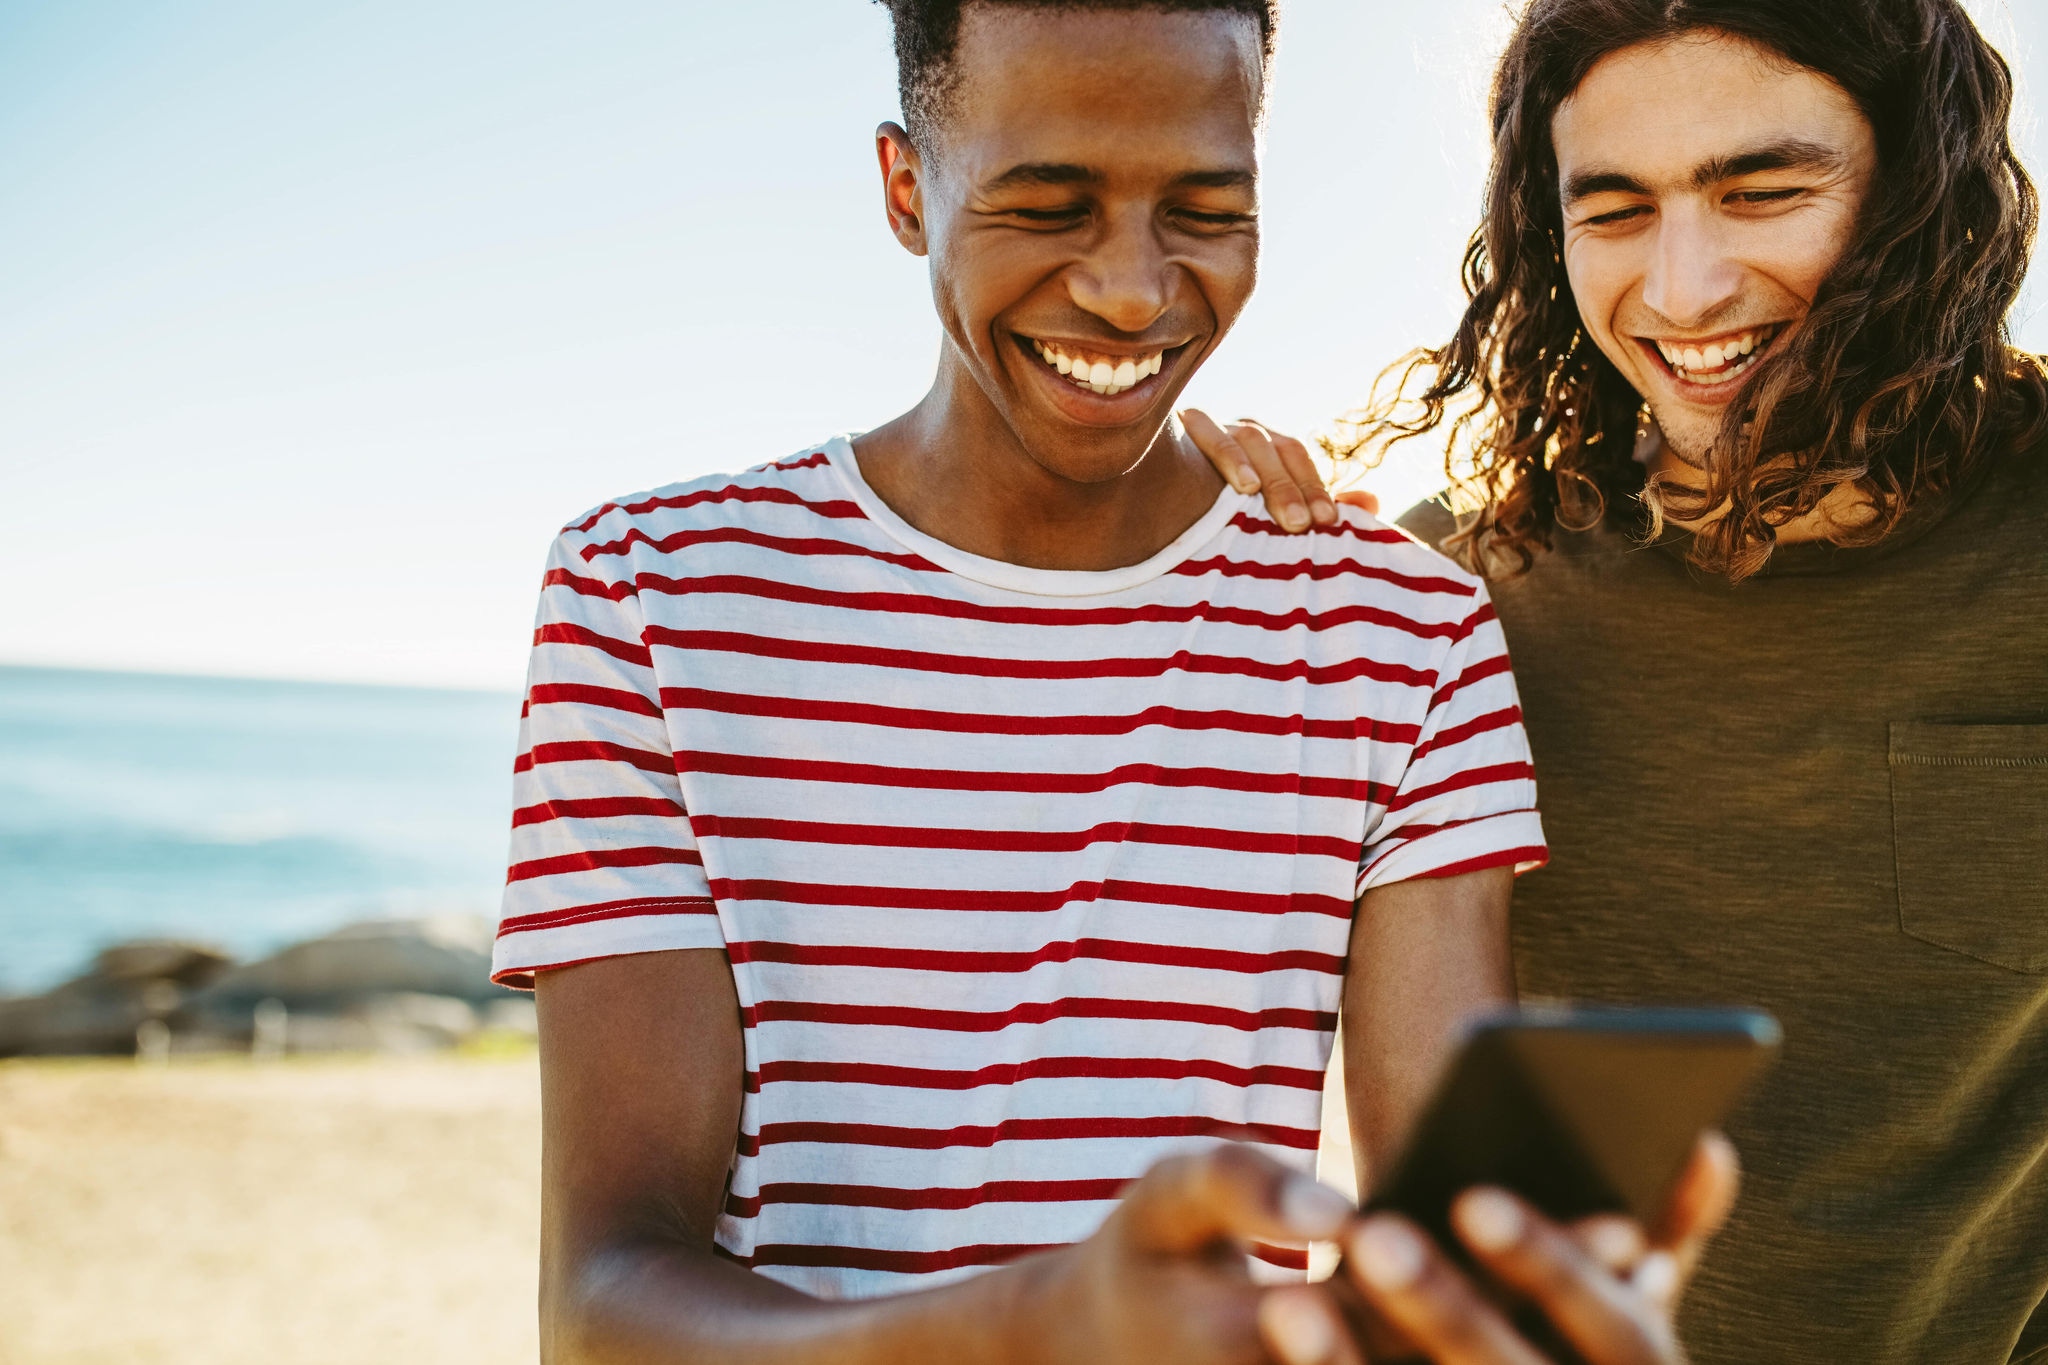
(1360, 568)
(788, 496)
(1429, 521)
(1408, 554)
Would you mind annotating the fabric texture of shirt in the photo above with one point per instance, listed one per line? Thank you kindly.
(1823, 791)
(1027, 878)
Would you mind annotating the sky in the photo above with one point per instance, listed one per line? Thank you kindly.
(317, 321)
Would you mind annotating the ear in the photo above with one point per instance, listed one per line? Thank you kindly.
(902, 186)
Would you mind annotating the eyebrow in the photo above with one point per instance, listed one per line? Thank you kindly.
(1787, 155)
(1037, 173)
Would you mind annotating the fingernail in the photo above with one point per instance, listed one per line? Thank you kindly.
(1389, 1256)
(1614, 1243)
(1294, 519)
(1325, 511)
(1312, 1210)
(1489, 1219)
(1656, 1276)
(1296, 1330)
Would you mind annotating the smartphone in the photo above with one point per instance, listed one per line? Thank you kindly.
(1579, 1111)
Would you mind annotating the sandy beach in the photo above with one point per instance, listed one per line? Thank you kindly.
(290, 1213)
(296, 1212)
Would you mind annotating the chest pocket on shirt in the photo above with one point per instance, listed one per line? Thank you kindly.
(1970, 825)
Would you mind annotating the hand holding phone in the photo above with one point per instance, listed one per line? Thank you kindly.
(1546, 1117)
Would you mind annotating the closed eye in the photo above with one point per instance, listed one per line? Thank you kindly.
(1766, 196)
(1618, 216)
(1050, 216)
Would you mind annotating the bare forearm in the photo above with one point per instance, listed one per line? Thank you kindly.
(652, 1303)
(1425, 955)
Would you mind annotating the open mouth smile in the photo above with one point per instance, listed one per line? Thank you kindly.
(1717, 361)
(1098, 371)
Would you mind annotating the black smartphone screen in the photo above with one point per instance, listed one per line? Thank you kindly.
(1579, 1111)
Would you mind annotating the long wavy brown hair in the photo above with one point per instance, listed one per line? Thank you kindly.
(1902, 380)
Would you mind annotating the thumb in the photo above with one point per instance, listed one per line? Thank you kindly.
(1359, 498)
(1188, 1203)
(1701, 1200)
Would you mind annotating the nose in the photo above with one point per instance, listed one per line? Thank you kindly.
(1126, 278)
(1692, 275)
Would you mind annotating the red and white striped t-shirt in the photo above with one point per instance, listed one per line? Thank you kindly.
(1028, 878)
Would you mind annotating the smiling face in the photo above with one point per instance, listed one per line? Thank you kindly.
(1089, 203)
(1708, 188)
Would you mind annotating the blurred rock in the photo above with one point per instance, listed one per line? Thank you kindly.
(101, 1011)
(184, 965)
(443, 956)
(384, 985)
(516, 1014)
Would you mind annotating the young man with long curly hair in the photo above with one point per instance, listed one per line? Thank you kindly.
(1761, 485)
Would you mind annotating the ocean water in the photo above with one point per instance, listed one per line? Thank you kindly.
(243, 813)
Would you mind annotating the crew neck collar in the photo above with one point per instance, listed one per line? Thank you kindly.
(998, 573)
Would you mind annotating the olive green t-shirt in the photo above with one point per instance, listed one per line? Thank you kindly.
(1823, 791)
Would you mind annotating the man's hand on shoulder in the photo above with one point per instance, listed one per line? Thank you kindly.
(1253, 458)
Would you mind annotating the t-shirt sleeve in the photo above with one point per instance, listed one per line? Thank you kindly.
(603, 862)
(1467, 799)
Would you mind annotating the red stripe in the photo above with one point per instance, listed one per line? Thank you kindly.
(873, 1258)
(582, 694)
(586, 587)
(926, 661)
(1409, 833)
(595, 859)
(884, 1197)
(1029, 902)
(1535, 855)
(980, 723)
(1027, 1130)
(598, 751)
(1458, 734)
(811, 461)
(596, 808)
(1376, 535)
(563, 633)
(1023, 841)
(1489, 667)
(732, 492)
(1087, 949)
(1040, 1068)
(740, 535)
(1460, 781)
(1035, 1012)
(1303, 568)
(603, 910)
(1150, 774)
(1158, 613)
(1287, 1258)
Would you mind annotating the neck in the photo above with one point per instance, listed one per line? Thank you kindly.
(954, 469)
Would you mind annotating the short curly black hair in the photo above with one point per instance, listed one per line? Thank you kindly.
(927, 32)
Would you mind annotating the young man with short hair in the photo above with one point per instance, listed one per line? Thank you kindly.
(922, 838)
(1764, 489)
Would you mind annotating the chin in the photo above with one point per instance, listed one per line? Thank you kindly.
(1082, 454)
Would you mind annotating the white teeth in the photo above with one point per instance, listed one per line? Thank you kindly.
(1749, 343)
(1694, 360)
(1712, 356)
(1110, 377)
